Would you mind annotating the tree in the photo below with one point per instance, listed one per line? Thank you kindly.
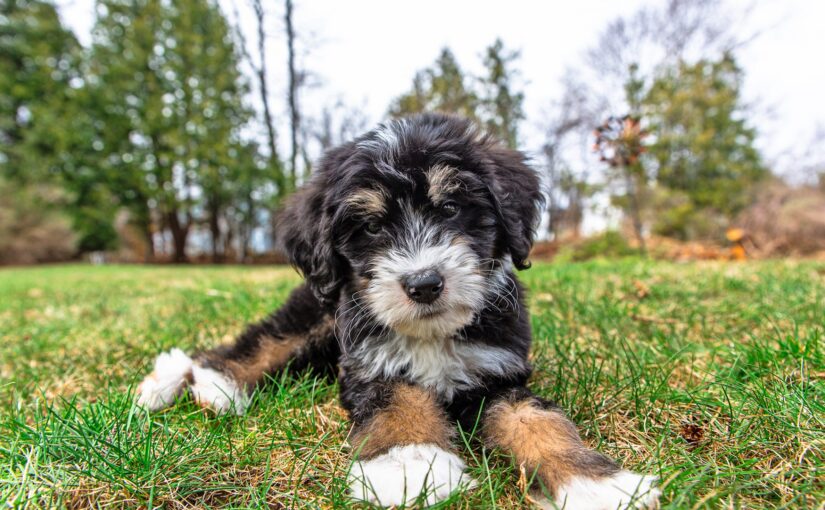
(501, 104)
(127, 77)
(248, 199)
(337, 124)
(567, 127)
(620, 143)
(210, 109)
(292, 95)
(703, 144)
(277, 186)
(658, 37)
(167, 77)
(492, 100)
(39, 60)
(630, 55)
(442, 87)
(46, 131)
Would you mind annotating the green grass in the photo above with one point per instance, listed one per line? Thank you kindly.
(711, 376)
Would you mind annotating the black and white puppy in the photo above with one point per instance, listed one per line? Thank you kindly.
(408, 238)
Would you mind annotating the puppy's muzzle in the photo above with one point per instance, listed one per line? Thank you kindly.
(423, 287)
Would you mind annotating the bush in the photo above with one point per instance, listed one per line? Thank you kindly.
(609, 244)
(785, 220)
(31, 231)
(673, 215)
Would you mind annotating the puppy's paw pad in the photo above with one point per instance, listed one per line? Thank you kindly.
(405, 473)
(160, 388)
(215, 390)
(624, 490)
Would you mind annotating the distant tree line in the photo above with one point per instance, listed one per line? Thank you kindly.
(149, 130)
(681, 160)
(674, 148)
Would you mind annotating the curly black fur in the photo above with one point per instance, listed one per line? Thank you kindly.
(327, 238)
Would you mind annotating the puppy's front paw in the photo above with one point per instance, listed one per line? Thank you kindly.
(217, 391)
(624, 490)
(404, 473)
(160, 388)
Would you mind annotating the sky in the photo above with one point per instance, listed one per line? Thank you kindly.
(366, 52)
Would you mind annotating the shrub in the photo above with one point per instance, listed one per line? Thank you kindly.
(673, 215)
(609, 244)
(785, 220)
(31, 230)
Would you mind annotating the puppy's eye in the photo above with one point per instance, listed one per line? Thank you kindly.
(373, 228)
(449, 209)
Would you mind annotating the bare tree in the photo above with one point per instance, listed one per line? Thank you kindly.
(678, 30)
(568, 126)
(260, 71)
(292, 94)
(337, 124)
(809, 166)
(620, 143)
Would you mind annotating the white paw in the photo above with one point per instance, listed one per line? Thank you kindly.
(160, 388)
(405, 472)
(211, 388)
(624, 490)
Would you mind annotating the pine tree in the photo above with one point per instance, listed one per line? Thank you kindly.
(46, 127)
(168, 77)
(502, 104)
(440, 88)
(703, 146)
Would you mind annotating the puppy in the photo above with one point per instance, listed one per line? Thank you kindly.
(408, 238)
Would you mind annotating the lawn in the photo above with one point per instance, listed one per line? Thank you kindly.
(710, 375)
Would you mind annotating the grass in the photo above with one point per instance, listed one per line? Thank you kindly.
(711, 376)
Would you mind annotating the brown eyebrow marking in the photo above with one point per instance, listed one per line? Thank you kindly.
(368, 201)
(443, 180)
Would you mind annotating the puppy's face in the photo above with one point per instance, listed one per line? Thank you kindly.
(421, 244)
(418, 218)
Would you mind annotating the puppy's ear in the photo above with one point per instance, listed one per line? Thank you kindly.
(304, 231)
(518, 202)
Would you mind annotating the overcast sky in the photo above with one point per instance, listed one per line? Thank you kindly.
(367, 51)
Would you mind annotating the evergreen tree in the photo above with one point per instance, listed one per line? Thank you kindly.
(502, 104)
(442, 88)
(38, 62)
(703, 146)
(491, 100)
(167, 75)
(46, 127)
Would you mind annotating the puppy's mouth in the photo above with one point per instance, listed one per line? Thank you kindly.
(430, 312)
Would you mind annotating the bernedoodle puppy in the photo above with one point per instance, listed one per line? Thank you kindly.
(408, 238)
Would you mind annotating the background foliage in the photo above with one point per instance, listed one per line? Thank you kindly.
(151, 136)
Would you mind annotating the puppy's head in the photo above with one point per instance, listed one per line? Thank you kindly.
(418, 218)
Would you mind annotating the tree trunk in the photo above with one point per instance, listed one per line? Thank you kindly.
(245, 227)
(553, 221)
(260, 72)
(636, 213)
(180, 232)
(215, 234)
(294, 116)
(244, 242)
(142, 218)
(149, 253)
(226, 244)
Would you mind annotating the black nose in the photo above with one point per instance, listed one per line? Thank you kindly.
(423, 287)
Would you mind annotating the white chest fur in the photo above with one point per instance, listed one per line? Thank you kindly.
(445, 366)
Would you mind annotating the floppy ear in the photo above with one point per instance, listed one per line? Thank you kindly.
(518, 202)
(304, 231)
